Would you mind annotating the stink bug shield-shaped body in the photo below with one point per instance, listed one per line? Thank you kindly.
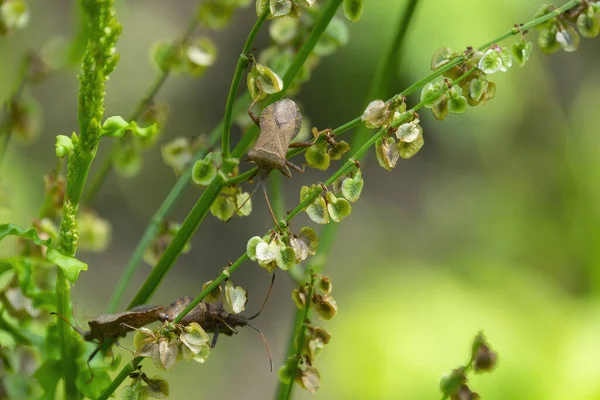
(279, 123)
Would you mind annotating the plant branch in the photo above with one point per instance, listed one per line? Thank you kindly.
(125, 372)
(235, 83)
(142, 105)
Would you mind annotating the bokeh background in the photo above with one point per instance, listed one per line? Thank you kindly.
(494, 225)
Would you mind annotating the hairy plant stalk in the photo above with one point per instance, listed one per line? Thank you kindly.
(143, 104)
(235, 83)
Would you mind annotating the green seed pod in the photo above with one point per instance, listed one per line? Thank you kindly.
(324, 285)
(494, 60)
(376, 114)
(457, 105)
(215, 14)
(409, 131)
(245, 199)
(441, 57)
(204, 171)
(263, 81)
(521, 51)
(335, 36)
(234, 298)
(547, 40)
(568, 39)
(213, 296)
(199, 55)
(279, 8)
(305, 244)
(94, 232)
(338, 150)
(352, 187)
(299, 298)
(283, 31)
(317, 156)
(127, 161)
(589, 23)
(407, 150)
(387, 152)
(353, 9)
(325, 307)
(338, 208)
(451, 383)
(286, 258)
(440, 108)
(251, 247)
(164, 355)
(223, 207)
(156, 388)
(317, 211)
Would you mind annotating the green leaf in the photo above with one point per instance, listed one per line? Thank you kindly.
(70, 265)
(48, 375)
(234, 299)
(93, 388)
(317, 156)
(352, 187)
(353, 9)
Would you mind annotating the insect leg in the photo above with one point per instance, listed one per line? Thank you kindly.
(250, 113)
(215, 337)
(89, 360)
(294, 166)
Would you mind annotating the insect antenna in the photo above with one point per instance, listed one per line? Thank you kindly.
(265, 300)
(265, 342)
(263, 183)
(75, 328)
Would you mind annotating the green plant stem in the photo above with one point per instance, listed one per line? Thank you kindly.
(142, 105)
(124, 374)
(188, 227)
(5, 118)
(277, 198)
(299, 334)
(299, 59)
(235, 83)
(311, 41)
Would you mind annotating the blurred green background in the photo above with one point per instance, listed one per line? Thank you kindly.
(494, 225)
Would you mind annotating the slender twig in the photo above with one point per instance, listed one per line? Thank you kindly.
(142, 105)
(235, 83)
(319, 28)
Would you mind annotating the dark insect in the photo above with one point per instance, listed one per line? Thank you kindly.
(112, 326)
(213, 318)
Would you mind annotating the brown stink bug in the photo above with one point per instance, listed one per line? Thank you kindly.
(213, 318)
(279, 123)
(108, 327)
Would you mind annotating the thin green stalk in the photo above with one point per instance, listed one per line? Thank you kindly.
(299, 60)
(299, 335)
(177, 191)
(5, 120)
(235, 83)
(124, 374)
(189, 226)
(142, 105)
(277, 198)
